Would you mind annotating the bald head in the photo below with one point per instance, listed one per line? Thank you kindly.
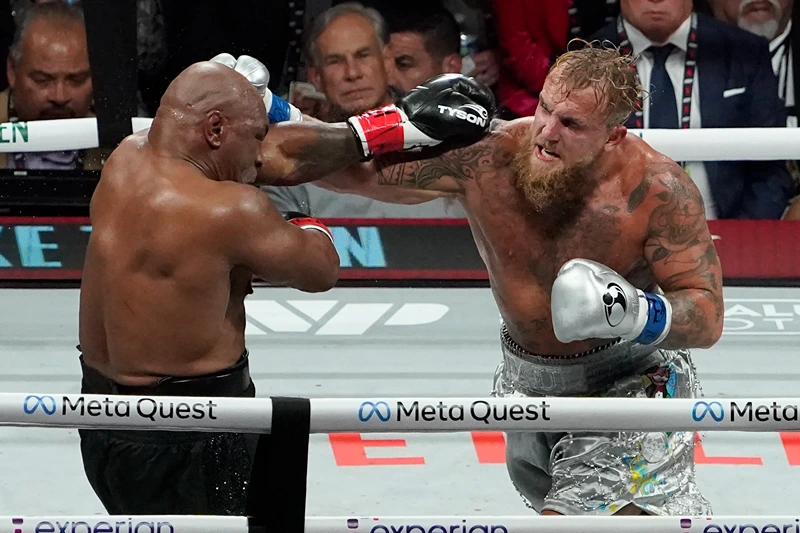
(210, 112)
(205, 87)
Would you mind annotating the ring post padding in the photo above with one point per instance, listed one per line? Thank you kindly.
(276, 497)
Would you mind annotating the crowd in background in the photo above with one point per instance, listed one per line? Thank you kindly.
(706, 64)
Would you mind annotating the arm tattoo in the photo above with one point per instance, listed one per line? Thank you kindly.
(436, 169)
(684, 260)
(639, 194)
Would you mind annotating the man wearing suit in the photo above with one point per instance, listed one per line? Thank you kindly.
(703, 73)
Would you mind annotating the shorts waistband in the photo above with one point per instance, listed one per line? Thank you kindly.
(582, 373)
(229, 382)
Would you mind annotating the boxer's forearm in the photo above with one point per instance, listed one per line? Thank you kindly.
(300, 152)
(696, 319)
(683, 258)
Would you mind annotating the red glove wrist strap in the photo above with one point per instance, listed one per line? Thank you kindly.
(381, 129)
(313, 224)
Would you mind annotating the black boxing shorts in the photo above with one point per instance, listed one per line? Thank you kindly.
(170, 472)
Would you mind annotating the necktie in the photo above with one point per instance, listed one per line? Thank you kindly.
(663, 107)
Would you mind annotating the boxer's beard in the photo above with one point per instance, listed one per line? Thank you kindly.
(555, 192)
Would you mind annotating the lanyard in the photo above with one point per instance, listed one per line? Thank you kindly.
(688, 73)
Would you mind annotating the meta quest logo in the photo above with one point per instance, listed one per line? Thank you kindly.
(144, 408)
(479, 411)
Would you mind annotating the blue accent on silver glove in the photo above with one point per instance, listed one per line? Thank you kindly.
(656, 319)
(280, 110)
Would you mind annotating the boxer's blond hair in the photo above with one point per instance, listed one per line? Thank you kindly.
(611, 73)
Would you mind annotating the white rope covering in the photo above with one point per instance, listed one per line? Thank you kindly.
(49, 135)
(387, 415)
(422, 524)
(709, 144)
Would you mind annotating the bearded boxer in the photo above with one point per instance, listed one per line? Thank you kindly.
(177, 234)
(599, 258)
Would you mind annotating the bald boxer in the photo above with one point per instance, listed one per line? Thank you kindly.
(599, 258)
(178, 231)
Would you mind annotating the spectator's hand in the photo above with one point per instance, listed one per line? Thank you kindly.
(486, 68)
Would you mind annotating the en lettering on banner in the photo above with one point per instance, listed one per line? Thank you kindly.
(352, 449)
(34, 248)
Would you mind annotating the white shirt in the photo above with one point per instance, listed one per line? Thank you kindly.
(781, 49)
(675, 69)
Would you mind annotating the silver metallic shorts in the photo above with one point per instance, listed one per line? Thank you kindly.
(600, 473)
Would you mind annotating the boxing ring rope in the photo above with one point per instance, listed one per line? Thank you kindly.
(422, 524)
(332, 415)
(700, 144)
(389, 415)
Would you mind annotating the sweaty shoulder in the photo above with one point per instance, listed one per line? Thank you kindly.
(237, 201)
(244, 209)
(665, 183)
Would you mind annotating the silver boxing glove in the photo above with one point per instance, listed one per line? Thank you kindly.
(590, 301)
(256, 72)
(226, 59)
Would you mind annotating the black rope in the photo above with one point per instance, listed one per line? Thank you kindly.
(276, 497)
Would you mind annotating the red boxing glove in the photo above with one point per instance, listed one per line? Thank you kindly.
(303, 221)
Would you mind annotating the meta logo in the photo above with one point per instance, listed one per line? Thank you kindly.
(712, 409)
(32, 404)
(749, 412)
(379, 409)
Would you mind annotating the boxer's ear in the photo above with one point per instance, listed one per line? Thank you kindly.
(213, 129)
(616, 136)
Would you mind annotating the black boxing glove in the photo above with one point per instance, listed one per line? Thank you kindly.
(446, 107)
(303, 221)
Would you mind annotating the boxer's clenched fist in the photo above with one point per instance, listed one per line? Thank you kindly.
(590, 301)
(256, 72)
(449, 107)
